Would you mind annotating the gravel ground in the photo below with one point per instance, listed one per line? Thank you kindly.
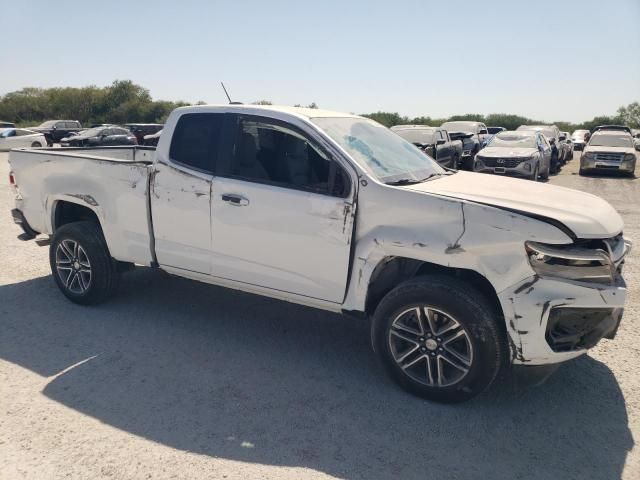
(175, 379)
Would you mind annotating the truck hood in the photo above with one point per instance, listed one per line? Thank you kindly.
(586, 215)
(508, 152)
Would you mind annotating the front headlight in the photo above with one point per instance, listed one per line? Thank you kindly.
(570, 262)
(629, 157)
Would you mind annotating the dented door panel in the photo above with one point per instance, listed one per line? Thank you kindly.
(181, 213)
(284, 239)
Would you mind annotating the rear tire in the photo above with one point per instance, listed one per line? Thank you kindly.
(455, 346)
(81, 264)
(36, 145)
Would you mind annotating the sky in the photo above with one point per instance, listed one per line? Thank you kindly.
(548, 60)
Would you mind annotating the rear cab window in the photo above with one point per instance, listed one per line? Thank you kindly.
(196, 141)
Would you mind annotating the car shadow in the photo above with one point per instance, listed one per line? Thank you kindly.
(227, 374)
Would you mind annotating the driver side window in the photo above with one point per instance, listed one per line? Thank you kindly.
(274, 153)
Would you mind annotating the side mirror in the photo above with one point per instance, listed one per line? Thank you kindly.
(440, 142)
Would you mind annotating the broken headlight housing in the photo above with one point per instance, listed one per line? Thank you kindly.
(571, 262)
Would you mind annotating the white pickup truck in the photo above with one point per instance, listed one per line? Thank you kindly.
(462, 274)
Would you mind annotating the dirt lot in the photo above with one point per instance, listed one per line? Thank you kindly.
(175, 379)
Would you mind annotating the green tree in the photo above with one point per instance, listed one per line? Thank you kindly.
(630, 115)
(387, 119)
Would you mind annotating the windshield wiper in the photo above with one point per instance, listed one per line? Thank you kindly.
(411, 181)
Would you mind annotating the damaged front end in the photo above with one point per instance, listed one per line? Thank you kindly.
(575, 298)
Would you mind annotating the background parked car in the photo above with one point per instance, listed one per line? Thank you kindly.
(434, 141)
(7, 125)
(101, 136)
(524, 154)
(610, 150)
(578, 138)
(565, 139)
(152, 140)
(552, 134)
(56, 130)
(472, 135)
(20, 137)
(142, 129)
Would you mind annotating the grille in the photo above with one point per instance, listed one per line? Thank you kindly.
(609, 157)
(502, 162)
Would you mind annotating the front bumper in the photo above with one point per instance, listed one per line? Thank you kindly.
(523, 170)
(627, 166)
(550, 321)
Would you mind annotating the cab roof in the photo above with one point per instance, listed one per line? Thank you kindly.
(297, 111)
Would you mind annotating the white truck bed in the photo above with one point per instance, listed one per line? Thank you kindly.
(112, 180)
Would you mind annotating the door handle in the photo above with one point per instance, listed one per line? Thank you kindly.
(236, 200)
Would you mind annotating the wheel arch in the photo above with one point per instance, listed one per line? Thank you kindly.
(393, 270)
(67, 210)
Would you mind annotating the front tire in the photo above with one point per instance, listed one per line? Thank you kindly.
(545, 175)
(438, 338)
(81, 264)
(36, 145)
(536, 173)
(454, 162)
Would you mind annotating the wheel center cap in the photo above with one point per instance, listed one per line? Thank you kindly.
(431, 344)
(76, 265)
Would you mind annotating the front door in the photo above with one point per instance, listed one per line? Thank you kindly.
(282, 212)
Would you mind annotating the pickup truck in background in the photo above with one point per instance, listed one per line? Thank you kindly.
(472, 135)
(461, 276)
(56, 130)
(434, 141)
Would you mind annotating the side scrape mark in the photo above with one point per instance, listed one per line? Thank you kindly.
(456, 247)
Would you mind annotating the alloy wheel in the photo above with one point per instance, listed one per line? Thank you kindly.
(430, 346)
(73, 266)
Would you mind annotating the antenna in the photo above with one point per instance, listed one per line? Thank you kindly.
(226, 93)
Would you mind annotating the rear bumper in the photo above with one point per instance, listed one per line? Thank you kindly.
(550, 321)
(18, 218)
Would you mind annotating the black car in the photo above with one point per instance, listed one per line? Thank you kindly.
(140, 130)
(56, 130)
(434, 141)
(7, 125)
(101, 137)
(472, 135)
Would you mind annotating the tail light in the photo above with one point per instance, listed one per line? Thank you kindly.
(12, 179)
